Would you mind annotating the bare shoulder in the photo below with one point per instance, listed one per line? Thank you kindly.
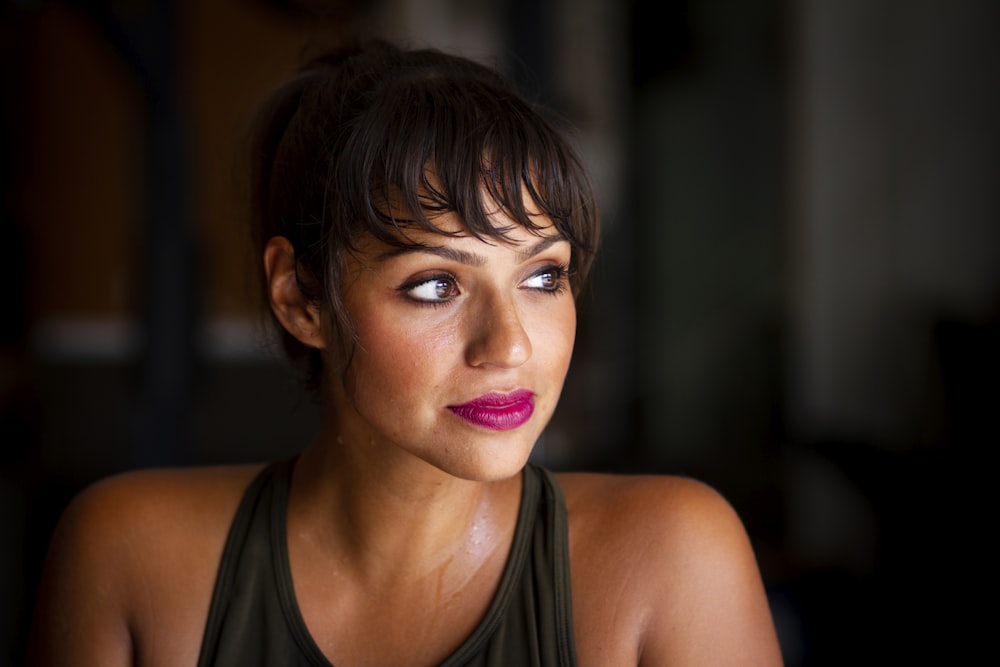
(138, 513)
(172, 495)
(664, 528)
(647, 506)
(125, 544)
(666, 563)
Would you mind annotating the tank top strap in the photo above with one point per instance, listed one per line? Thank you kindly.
(558, 523)
(253, 507)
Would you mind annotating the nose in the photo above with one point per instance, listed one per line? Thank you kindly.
(496, 335)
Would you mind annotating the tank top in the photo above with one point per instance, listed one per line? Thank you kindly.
(254, 618)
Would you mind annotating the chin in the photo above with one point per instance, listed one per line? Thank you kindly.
(485, 465)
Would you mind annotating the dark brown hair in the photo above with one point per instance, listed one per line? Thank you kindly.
(362, 133)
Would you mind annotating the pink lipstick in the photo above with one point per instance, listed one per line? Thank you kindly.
(497, 411)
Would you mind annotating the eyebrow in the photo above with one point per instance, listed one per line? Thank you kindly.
(471, 258)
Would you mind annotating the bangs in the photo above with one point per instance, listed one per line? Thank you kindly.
(428, 145)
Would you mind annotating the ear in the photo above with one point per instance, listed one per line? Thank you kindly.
(300, 318)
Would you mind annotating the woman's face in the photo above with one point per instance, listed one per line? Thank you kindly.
(462, 347)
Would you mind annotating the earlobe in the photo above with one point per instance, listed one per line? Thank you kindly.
(297, 314)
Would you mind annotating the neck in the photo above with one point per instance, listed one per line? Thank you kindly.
(388, 514)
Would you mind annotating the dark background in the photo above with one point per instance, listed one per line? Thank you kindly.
(798, 299)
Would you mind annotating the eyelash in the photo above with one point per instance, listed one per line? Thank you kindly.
(406, 289)
(561, 274)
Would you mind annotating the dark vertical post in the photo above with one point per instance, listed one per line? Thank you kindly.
(166, 258)
(529, 37)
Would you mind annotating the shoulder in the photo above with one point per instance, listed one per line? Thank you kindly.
(664, 526)
(212, 492)
(647, 506)
(671, 518)
(136, 537)
(673, 555)
(137, 513)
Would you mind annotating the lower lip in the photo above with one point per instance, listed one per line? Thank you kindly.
(497, 412)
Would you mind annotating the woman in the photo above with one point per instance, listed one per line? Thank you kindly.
(423, 232)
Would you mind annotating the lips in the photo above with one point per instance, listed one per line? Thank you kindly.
(498, 411)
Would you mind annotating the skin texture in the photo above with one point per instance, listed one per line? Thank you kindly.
(401, 513)
(435, 331)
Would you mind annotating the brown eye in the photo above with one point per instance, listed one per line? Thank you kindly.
(438, 288)
(549, 279)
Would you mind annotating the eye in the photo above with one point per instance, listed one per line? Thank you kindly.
(432, 290)
(550, 279)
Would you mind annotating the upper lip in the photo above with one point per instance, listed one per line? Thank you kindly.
(498, 399)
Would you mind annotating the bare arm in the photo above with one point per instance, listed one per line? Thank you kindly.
(131, 567)
(663, 575)
(81, 617)
(710, 607)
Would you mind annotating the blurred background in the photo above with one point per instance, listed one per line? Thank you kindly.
(798, 299)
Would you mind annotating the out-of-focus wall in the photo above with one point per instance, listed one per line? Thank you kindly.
(892, 318)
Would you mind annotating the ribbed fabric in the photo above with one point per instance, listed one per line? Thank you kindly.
(255, 620)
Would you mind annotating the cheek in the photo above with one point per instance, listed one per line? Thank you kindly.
(552, 333)
(395, 359)
(557, 333)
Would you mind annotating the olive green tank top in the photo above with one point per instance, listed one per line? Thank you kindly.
(254, 618)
